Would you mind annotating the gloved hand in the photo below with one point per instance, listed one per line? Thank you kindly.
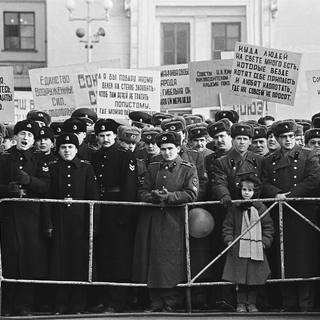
(23, 177)
(14, 187)
(162, 195)
(154, 197)
(47, 234)
(226, 201)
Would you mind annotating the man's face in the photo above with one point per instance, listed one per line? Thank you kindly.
(106, 138)
(300, 140)
(81, 136)
(152, 148)
(287, 140)
(44, 145)
(199, 144)
(25, 140)
(259, 146)
(272, 143)
(169, 151)
(68, 151)
(223, 141)
(314, 144)
(128, 145)
(241, 143)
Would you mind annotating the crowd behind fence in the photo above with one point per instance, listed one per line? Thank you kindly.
(190, 280)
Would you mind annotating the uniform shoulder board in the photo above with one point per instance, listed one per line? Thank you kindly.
(37, 151)
(123, 149)
(52, 162)
(85, 161)
(155, 163)
(5, 153)
(186, 163)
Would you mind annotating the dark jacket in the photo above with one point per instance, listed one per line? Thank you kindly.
(299, 173)
(230, 168)
(23, 247)
(244, 270)
(70, 222)
(117, 173)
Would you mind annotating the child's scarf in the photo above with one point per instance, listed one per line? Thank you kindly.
(251, 242)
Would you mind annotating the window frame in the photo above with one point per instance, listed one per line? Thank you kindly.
(226, 24)
(19, 13)
(176, 51)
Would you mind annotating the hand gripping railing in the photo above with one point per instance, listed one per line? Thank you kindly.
(190, 281)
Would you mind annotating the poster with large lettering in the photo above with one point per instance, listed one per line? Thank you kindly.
(6, 94)
(313, 82)
(210, 82)
(174, 86)
(265, 73)
(61, 90)
(121, 91)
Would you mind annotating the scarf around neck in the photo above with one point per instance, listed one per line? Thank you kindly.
(251, 242)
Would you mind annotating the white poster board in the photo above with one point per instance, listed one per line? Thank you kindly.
(6, 94)
(265, 73)
(61, 90)
(121, 91)
(313, 82)
(210, 83)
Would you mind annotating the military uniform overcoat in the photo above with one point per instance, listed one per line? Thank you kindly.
(299, 173)
(230, 168)
(159, 253)
(197, 159)
(117, 174)
(244, 270)
(74, 180)
(23, 248)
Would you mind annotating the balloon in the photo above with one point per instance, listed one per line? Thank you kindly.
(201, 222)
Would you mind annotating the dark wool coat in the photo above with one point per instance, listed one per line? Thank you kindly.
(244, 270)
(23, 248)
(230, 168)
(159, 252)
(70, 222)
(117, 173)
(299, 173)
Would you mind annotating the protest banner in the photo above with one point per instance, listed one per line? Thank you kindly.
(313, 82)
(210, 82)
(61, 90)
(174, 86)
(6, 94)
(265, 73)
(121, 91)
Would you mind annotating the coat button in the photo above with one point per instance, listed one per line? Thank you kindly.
(274, 164)
(69, 167)
(274, 179)
(21, 159)
(295, 185)
(295, 168)
(68, 176)
(295, 177)
(21, 167)
(69, 185)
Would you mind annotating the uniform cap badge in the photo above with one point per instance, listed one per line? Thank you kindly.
(67, 138)
(164, 138)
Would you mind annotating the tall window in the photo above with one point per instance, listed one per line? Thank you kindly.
(19, 31)
(224, 37)
(175, 46)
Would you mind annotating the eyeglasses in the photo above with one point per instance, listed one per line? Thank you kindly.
(287, 136)
(313, 143)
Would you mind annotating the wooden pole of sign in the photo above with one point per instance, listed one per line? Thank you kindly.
(264, 108)
(220, 101)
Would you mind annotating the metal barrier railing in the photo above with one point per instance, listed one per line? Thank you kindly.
(190, 281)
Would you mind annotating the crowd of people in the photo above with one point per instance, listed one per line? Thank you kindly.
(164, 161)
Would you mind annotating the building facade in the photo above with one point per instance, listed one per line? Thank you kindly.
(140, 33)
